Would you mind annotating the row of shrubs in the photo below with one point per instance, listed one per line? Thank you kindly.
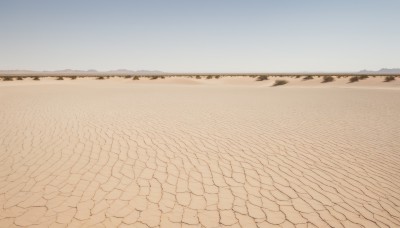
(36, 78)
(328, 78)
(325, 79)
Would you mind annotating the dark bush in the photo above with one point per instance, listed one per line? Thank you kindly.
(60, 78)
(309, 77)
(8, 78)
(353, 79)
(209, 77)
(280, 82)
(136, 78)
(100, 78)
(198, 77)
(262, 78)
(389, 78)
(327, 79)
(36, 78)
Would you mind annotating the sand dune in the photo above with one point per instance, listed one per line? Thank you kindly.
(184, 152)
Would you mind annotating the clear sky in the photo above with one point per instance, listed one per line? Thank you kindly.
(200, 35)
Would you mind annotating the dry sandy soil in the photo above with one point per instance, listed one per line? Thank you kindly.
(183, 152)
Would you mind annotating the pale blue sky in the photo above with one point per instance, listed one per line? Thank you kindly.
(200, 36)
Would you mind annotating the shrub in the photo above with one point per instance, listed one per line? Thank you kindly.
(19, 78)
(209, 77)
(60, 78)
(162, 77)
(128, 76)
(362, 77)
(153, 77)
(262, 78)
(8, 78)
(353, 79)
(389, 78)
(72, 77)
(100, 78)
(309, 77)
(217, 76)
(36, 78)
(280, 82)
(136, 78)
(327, 79)
(198, 77)
(298, 76)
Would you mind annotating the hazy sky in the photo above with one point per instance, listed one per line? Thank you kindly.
(200, 36)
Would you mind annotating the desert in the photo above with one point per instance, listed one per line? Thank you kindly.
(196, 152)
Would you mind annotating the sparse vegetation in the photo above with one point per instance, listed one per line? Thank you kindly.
(308, 77)
(19, 78)
(153, 77)
(100, 78)
(362, 77)
(298, 76)
(198, 77)
(389, 78)
(60, 78)
(353, 79)
(209, 77)
(36, 78)
(262, 78)
(72, 77)
(8, 78)
(280, 82)
(326, 79)
(217, 76)
(135, 78)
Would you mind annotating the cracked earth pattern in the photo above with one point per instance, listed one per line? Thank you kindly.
(115, 155)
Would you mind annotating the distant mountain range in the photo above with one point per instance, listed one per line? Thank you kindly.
(382, 71)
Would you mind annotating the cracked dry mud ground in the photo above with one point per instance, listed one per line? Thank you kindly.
(108, 154)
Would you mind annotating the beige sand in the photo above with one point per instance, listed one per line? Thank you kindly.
(183, 152)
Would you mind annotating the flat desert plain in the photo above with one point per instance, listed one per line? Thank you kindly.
(186, 152)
